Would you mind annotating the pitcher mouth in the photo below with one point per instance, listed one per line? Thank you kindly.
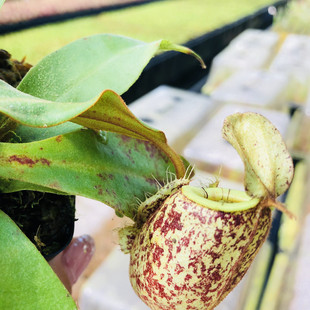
(220, 199)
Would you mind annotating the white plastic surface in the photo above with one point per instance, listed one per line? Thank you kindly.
(293, 54)
(257, 87)
(109, 287)
(252, 49)
(91, 216)
(293, 59)
(176, 112)
(260, 39)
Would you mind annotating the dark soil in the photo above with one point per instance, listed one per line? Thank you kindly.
(12, 71)
(46, 219)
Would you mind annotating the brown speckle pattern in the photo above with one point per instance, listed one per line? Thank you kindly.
(190, 257)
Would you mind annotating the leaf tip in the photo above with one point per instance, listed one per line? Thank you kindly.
(166, 45)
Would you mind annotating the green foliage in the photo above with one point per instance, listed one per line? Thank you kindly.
(27, 281)
(294, 18)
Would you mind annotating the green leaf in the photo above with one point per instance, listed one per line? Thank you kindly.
(27, 282)
(268, 164)
(114, 169)
(29, 134)
(112, 114)
(82, 69)
(108, 112)
(1, 3)
(36, 112)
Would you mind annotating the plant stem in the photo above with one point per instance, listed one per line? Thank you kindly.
(279, 206)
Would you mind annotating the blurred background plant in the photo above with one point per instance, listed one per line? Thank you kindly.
(294, 18)
(177, 21)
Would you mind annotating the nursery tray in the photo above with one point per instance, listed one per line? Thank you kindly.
(178, 113)
(293, 60)
(253, 49)
(181, 71)
(254, 87)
